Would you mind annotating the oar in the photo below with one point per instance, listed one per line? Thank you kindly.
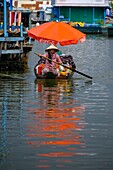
(65, 66)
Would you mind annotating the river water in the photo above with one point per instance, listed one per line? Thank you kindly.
(62, 124)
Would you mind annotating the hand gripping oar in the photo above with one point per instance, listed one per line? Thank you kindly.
(65, 66)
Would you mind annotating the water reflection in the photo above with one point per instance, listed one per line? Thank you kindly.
(11, 93)
(3, 146)
(60, 124)
(59, 121)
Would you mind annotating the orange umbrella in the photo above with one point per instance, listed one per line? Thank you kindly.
(56, 32)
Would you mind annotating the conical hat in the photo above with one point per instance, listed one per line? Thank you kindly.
(52, 47)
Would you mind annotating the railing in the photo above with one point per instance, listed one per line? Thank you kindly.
(60, 19)
(13, 28)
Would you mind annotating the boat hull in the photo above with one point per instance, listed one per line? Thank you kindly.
(50, 75)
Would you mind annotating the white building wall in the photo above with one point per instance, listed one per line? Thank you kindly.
(81, 2)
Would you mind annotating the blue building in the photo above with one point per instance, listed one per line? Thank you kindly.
(88, 11)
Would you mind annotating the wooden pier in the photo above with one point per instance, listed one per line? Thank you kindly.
(13, 51)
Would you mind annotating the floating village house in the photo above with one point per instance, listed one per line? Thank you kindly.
(15, 19)
(13, 52)
(40, 10)
(88, 11)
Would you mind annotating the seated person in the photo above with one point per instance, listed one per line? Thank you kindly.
(50, 65)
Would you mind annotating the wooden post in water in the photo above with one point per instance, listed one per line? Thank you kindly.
(5, 19)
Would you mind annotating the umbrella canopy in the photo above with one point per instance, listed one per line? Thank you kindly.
(56, 32)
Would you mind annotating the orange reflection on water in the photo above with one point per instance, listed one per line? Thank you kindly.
(43, 166)
(63, 121)
(57, 125)
(57, 154)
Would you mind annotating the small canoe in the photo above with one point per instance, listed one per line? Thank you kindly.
(67, 60)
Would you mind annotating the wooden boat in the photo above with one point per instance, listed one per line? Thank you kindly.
(67, 61)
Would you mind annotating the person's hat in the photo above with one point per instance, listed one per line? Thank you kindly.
(51, 47)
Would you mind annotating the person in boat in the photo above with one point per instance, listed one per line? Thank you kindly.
(51, 53)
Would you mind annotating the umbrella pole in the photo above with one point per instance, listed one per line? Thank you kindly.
(65, 66)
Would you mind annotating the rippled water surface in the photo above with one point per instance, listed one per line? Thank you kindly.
(60, 124)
